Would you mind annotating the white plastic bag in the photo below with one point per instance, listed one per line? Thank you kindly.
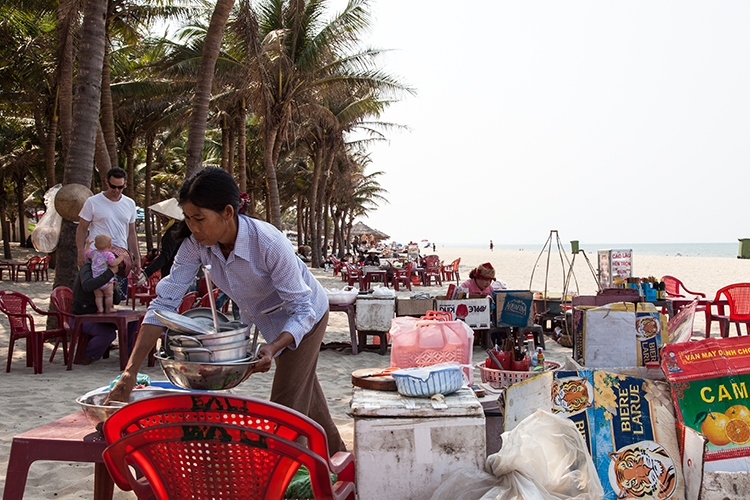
(343, 297)
(46, 234)
(543, 458)
(383, 292)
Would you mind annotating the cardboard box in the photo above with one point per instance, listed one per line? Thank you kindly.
(414, 307)
(513, 308)
(710, 382)
(476, 309)
(626, 421)
(618, 335)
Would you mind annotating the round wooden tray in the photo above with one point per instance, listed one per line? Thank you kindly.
(361, 379)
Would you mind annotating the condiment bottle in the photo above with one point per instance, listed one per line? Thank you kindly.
(540, 358)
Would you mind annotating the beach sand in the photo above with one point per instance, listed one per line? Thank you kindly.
(28, 400)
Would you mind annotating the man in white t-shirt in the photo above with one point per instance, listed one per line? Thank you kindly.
(110, 212)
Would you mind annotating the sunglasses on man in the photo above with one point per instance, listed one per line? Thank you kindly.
(114, 186)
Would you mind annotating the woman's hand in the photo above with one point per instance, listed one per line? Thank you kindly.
(268, 351)
(265, 357)
(122, 389)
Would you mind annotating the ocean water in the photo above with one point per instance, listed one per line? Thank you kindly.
(723, 250)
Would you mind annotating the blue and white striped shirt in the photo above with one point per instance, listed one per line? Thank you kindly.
(261, 272)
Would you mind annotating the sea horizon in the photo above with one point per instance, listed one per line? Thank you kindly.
(720, 250)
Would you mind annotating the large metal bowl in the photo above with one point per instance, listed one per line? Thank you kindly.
(206, 376)
(92, 403)
(212, 354)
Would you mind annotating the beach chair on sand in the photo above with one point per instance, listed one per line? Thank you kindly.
(450, 272)
(737, 297)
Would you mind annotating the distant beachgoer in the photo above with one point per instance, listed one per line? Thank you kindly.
(492, 245)
(433, 247)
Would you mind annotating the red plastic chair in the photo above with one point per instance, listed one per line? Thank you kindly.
(205, 301)
(62, 300)
(147, 292)
(401, 276)
(673, 287)
(450, 272)
(41, 270)
(432, 269)
(28, 268)
(219, 446)
(189, 301)
(737, 297)
(15, 305)
(354, 275)
(4, 266)
(337, 265)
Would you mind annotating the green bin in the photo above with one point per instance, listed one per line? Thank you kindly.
(744, 252)
(574, 246)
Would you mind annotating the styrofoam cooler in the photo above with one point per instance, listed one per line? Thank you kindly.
(403, 450)
(375, 313)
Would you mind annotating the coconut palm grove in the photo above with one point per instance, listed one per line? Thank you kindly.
(282, 94)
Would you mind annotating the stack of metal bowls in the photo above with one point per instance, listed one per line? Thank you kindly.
(197, 356)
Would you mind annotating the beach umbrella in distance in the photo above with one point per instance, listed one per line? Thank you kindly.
(360, 229)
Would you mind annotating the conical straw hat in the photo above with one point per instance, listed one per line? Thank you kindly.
(169, 208)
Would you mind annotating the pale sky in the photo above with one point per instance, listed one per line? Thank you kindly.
(622, 122)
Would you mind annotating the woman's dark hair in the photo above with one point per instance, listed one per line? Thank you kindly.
(210, 188)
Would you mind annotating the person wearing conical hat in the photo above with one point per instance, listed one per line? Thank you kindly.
(170, 216)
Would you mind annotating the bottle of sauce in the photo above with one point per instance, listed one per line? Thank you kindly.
(540, 358)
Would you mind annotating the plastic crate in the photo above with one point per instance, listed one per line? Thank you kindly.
(503, 378)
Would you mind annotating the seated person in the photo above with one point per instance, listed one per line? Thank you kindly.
(101, 334)
(372, 258)
(482, 280)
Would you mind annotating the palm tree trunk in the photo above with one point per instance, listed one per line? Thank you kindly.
(65, 17)
(107, 114)
(231, 140)
(85, 122)
(49, 148)
(101, 155)
(147, 195)
(274, 202)
(242, 144)
(211, 47)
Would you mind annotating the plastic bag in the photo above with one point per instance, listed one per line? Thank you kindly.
(343, 297)
(383, 292)
(543, 458)
(46, 234)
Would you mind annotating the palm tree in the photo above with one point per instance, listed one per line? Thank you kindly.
(85, 124)
(211, 48)
(296, 55)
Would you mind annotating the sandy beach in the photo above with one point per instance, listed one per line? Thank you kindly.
(28, 400)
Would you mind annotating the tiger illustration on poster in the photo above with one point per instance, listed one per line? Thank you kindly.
(642, 470)
(572, 395)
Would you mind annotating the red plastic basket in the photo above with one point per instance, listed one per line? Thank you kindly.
(503, 378)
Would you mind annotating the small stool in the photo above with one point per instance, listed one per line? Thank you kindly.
(350, 312)
(538, 334)
(69, 439)
(383, 339)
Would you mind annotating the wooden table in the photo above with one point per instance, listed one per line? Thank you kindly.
(69, 439)
(350, 311)
(121, 318)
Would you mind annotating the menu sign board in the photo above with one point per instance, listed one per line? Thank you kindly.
(614, 264)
